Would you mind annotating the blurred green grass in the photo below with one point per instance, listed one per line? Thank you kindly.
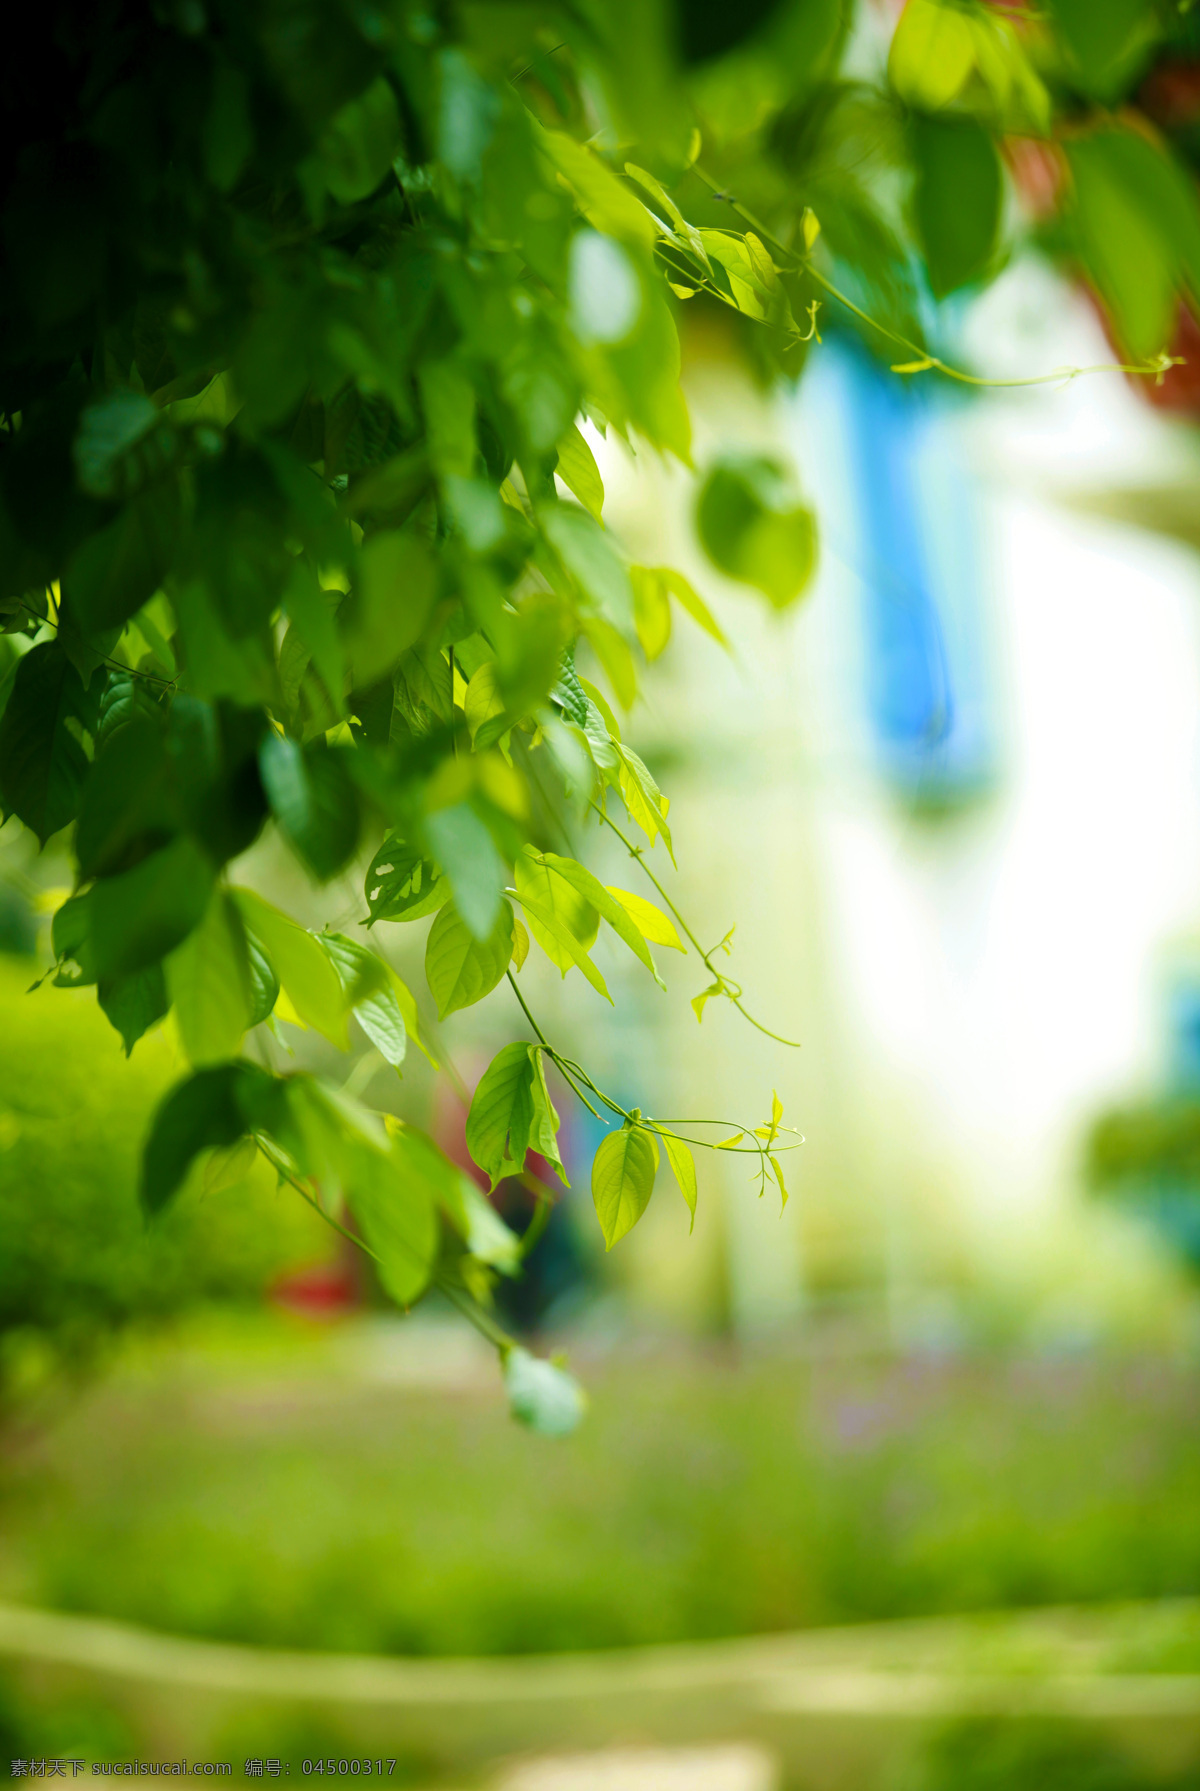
(703, 1498)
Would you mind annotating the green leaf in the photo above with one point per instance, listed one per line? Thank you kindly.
(543, 1134)
(358, 144)
(127, 802)
(209, 981)
(932, 54)
(448, 402)
(1106, 40)
(541, 1396)
(558, 898)
(368, 988)
(579, 473)
(623, 1172)
(651, 610)
(487, 718)
(683, 1167)
(402, 884)
(396, 1207)
(585, 550)
(109, 429)
(1138, 222)
(465, 850)
(309, 979)
(314, 799)
(312, 611)
(501, 1115)
(602, 199)
(642, 797)
(604, 903)
(612, 650)
(45, 739)
(956, 199)
(482, 1229)
(461, 969)
(389, 605)
(264, 984)
(650, 921)
(210, 1111)
(113, 573)
(71, 940)
(134, 1003)
(754, 528)
(141, 915)
(777, 1172)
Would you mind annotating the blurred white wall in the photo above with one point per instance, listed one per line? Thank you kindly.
(969, 988)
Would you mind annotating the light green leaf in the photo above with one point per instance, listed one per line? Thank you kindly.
(932, 54)
(484, 708)
(461, 969)
(448, 401)
(309, 980)
(754, 527)
(501, 1115)
(367, 985)
(645, 801)
(689, 599)
(464, 848)
(579, 473)
(777, 1171)
(586, 552)
(209, 982)
(612, 650)
(542, 1396)
(409, 1013)
(604, 903)
(650, 921)
(559, 897)
(543, 1135)
(520, 944)
(482, 1229)
(684, 1168)
(623, 1180)
(651, 610)
(388, 607)
(603, 200)
(397, 1211)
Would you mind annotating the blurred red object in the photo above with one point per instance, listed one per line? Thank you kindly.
(326, 1290)
(1170, 94)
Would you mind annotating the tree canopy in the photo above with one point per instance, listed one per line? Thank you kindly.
(305, 303)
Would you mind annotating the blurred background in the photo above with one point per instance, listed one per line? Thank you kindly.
(939, 1414)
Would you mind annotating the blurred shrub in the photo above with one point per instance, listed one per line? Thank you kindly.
(1041, 1755)
(78, 1257)
(698, 1501)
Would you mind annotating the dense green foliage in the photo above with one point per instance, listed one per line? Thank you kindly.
(272, 1505)
(78, 1256)
(305, 303)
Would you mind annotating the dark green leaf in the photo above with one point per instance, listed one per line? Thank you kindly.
(134, 1003)
(141, 915)
(314, 799)
(402, 884)
(956, 200)
(45, 740)
(501, 1115)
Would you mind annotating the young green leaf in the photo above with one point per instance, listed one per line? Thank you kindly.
(650, 921)
(645, 801)
(556, 938)
(369, 991)
(683, 1167)
(579, 473)
(134, 1003)
(467, 854)
(209, 981)
(651, 610)
(623, 1180)
(688, 598)
(520, 943)
(309, 979)
(396, 1208)
(461, 969)
(501, 1115)
(543, 1134)
(604, 903)
(542, 1396)
(560, 898)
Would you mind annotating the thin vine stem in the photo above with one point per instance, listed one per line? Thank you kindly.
(730, 989)
(923, 361)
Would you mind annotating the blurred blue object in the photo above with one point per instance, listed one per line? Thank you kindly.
(930, 691)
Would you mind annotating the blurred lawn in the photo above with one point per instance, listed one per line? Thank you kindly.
(294, 1505)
